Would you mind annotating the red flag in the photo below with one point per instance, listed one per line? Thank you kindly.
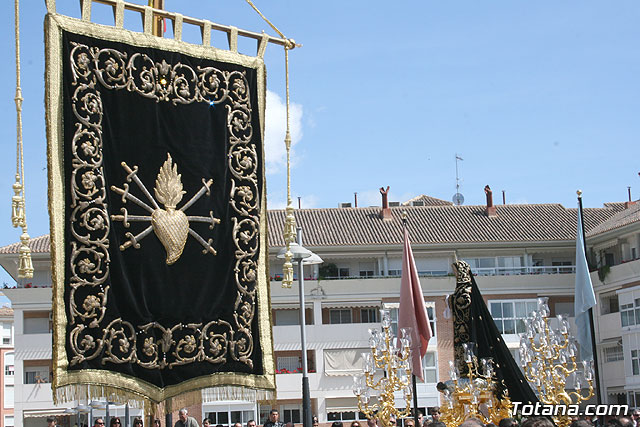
(412, 312)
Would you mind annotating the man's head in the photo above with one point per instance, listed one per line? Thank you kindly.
(409, 422)
(274, 415)
(372, 422)
(625, 421)
(206, 422)
(435, 413)
(314, 421)
(237, 425)
(51, 422)
(471, 422)
(420, 418)
(99, 422)
(251, 423)
(507, 422)
(537, 422)
(183, 414)
(636, 415)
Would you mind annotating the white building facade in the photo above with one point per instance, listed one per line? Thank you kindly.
(519, 253)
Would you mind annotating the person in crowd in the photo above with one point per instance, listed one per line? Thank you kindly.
(314, 421)
(435, 414)
(251, 423)
(206, 422)
(392, 420)
(99, 422)
(409, 422)
(336, 424)
(237, 425)
(420, 419)
(274, 419)
(137, 422)
(51, 422)
(581, 423)
(372, 422)
(507, 422)
(625, 421)
(184, 420)
(471, 422)
(115, 422)
(635, 418)
(537, 422)
(156, 423)
(355, 424)
(437, 424)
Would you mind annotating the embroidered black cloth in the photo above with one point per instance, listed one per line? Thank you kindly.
(472, 322)
(164, 249)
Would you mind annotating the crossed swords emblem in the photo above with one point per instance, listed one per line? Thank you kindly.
(171, 224)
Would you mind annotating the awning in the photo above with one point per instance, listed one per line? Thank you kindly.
(342, 404)
(352, 304)
(43, 353)
(44, 413)
(616, 391)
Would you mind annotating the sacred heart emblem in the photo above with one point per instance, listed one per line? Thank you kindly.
(170, 225)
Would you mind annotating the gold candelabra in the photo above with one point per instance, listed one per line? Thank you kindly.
(394, 359)
(472, 395)
(549, 359)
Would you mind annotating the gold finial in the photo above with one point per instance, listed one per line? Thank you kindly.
(579, 193)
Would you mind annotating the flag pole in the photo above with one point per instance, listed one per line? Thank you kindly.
(414, 381)
(596, 368)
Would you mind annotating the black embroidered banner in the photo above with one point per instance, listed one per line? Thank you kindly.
(160, 252)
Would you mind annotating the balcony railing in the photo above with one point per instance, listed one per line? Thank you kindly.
(493, 271)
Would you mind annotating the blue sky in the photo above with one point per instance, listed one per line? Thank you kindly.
(539, 98)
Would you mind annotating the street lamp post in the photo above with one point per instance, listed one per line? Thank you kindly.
(303, 257)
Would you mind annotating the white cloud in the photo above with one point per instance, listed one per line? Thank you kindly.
(275, 130)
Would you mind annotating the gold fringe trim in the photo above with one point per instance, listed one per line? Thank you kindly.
(214, 394)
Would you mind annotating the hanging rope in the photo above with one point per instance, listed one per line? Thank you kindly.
(289, 231)
(18, 205)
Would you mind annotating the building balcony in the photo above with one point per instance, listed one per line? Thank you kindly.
(621, 274)
(37, 394)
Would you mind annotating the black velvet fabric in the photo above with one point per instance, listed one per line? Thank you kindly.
(489, 342)
(197, 288)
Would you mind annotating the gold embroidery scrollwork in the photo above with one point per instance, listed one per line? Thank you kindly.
(153, 346)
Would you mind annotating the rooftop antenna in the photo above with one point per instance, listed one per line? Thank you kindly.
(458, 198)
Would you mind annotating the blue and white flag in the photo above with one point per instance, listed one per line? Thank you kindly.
(585, 297)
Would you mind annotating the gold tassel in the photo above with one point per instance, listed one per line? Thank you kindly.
(17, 205)
(25, 266)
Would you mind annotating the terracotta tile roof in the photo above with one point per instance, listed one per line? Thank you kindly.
(427, 224)
(620, 219)
(436, 224)
(38, 244)
(428, 201)
(6, 311)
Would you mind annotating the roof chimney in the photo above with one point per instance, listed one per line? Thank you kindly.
(385, 213)
(630, 203)
(491, 210)
(355, 200)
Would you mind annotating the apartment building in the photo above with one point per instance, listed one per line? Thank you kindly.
(519, 252)
(7, 374)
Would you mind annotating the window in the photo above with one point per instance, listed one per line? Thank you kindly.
(630, 313)
(6, 333)
(476, 263)
(344, 416)
(8, 396)
(217, 417)
(394, 317)
(369, 315)
(9, 368)
(8, 421)
(609, 304)
(289, 363)
(291, 415)
(287, 317)
(395, 273)
(338, 316)
(635, 362)
(36, 325)
(36, 374)
(367, 269)
(430, 367)
(241, 417)
(343, 272)
(613, 354)
(509, 315)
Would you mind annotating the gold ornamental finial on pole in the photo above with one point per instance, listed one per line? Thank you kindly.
(18, 205)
